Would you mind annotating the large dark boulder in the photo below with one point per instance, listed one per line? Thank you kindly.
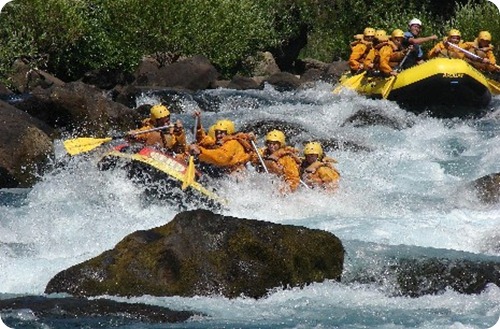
(283, 81)
(25, 147)
(24, 78)
(432, 275)
(79, 107)
(106, 78)
(241, 83)
(412, 271)
(61, 310)
(335, 70)
(194, 73)
(5, 92)
(201, 253)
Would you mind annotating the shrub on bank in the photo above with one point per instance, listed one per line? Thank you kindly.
(71, 37)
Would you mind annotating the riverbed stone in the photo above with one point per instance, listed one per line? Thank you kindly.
(202, 253)
(25, 147)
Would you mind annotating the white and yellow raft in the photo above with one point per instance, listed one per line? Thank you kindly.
(162, 174)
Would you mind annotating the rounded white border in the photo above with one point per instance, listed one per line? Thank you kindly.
(2, 3)
(3, 325)
(496, 3)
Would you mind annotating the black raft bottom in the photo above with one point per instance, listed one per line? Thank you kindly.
(160, 188)
(460, 96)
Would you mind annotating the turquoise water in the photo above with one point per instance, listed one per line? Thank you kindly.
(407, 193)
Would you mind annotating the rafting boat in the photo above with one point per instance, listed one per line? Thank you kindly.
(444, 87)
(162, 174)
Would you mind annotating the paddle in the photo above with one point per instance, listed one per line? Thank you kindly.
(260, 157)
(389, 84)
(85, 144)
(188, 178)
(491, 83)
(479, 58)
(351, 83)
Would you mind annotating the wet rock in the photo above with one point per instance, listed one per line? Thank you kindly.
(107, 78)
(59, 309)
(263, 64)
(310, 76)
(25, 78)
(376, 117)
(261, 128)
(25, 147)
(283, 81)
(194, 73)
(488, 188)
(201, 253)
(5, 92)
(335, 70)
(404, 270)
(297, 135)
(242, 83)
(424, 276)
(78, 107)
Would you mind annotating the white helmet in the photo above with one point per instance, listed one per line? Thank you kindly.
(415, 21)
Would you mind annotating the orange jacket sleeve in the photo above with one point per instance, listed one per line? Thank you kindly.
(231, 153)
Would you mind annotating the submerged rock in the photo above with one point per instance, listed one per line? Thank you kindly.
(488, 188)
(201, 253)
(413, 271)
(57, 309)
(417, 277)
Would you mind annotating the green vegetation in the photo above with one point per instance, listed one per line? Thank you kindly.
(71, 37)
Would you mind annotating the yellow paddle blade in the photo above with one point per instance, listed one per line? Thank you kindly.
(388, 87)
(83, 144)
(494, 86)
(189, 175)
(350, 83)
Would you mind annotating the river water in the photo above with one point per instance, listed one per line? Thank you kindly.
(405, 192)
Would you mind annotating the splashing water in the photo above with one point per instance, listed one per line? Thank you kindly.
(405, 191)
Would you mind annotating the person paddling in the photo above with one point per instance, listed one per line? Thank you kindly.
(483, 48)
(228, 154)
(171, 140)
(279, 159)
(360, 51)
(317, 170)
(442, 49)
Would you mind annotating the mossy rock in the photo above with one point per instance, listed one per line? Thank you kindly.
(202, 253)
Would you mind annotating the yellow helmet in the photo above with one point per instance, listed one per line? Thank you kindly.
(159, 111)
(454, 33)
(276, 136)
(397, 33)
(380, 33)
(369, 32)
(313, 148)
(484, 35)
(225, 125)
